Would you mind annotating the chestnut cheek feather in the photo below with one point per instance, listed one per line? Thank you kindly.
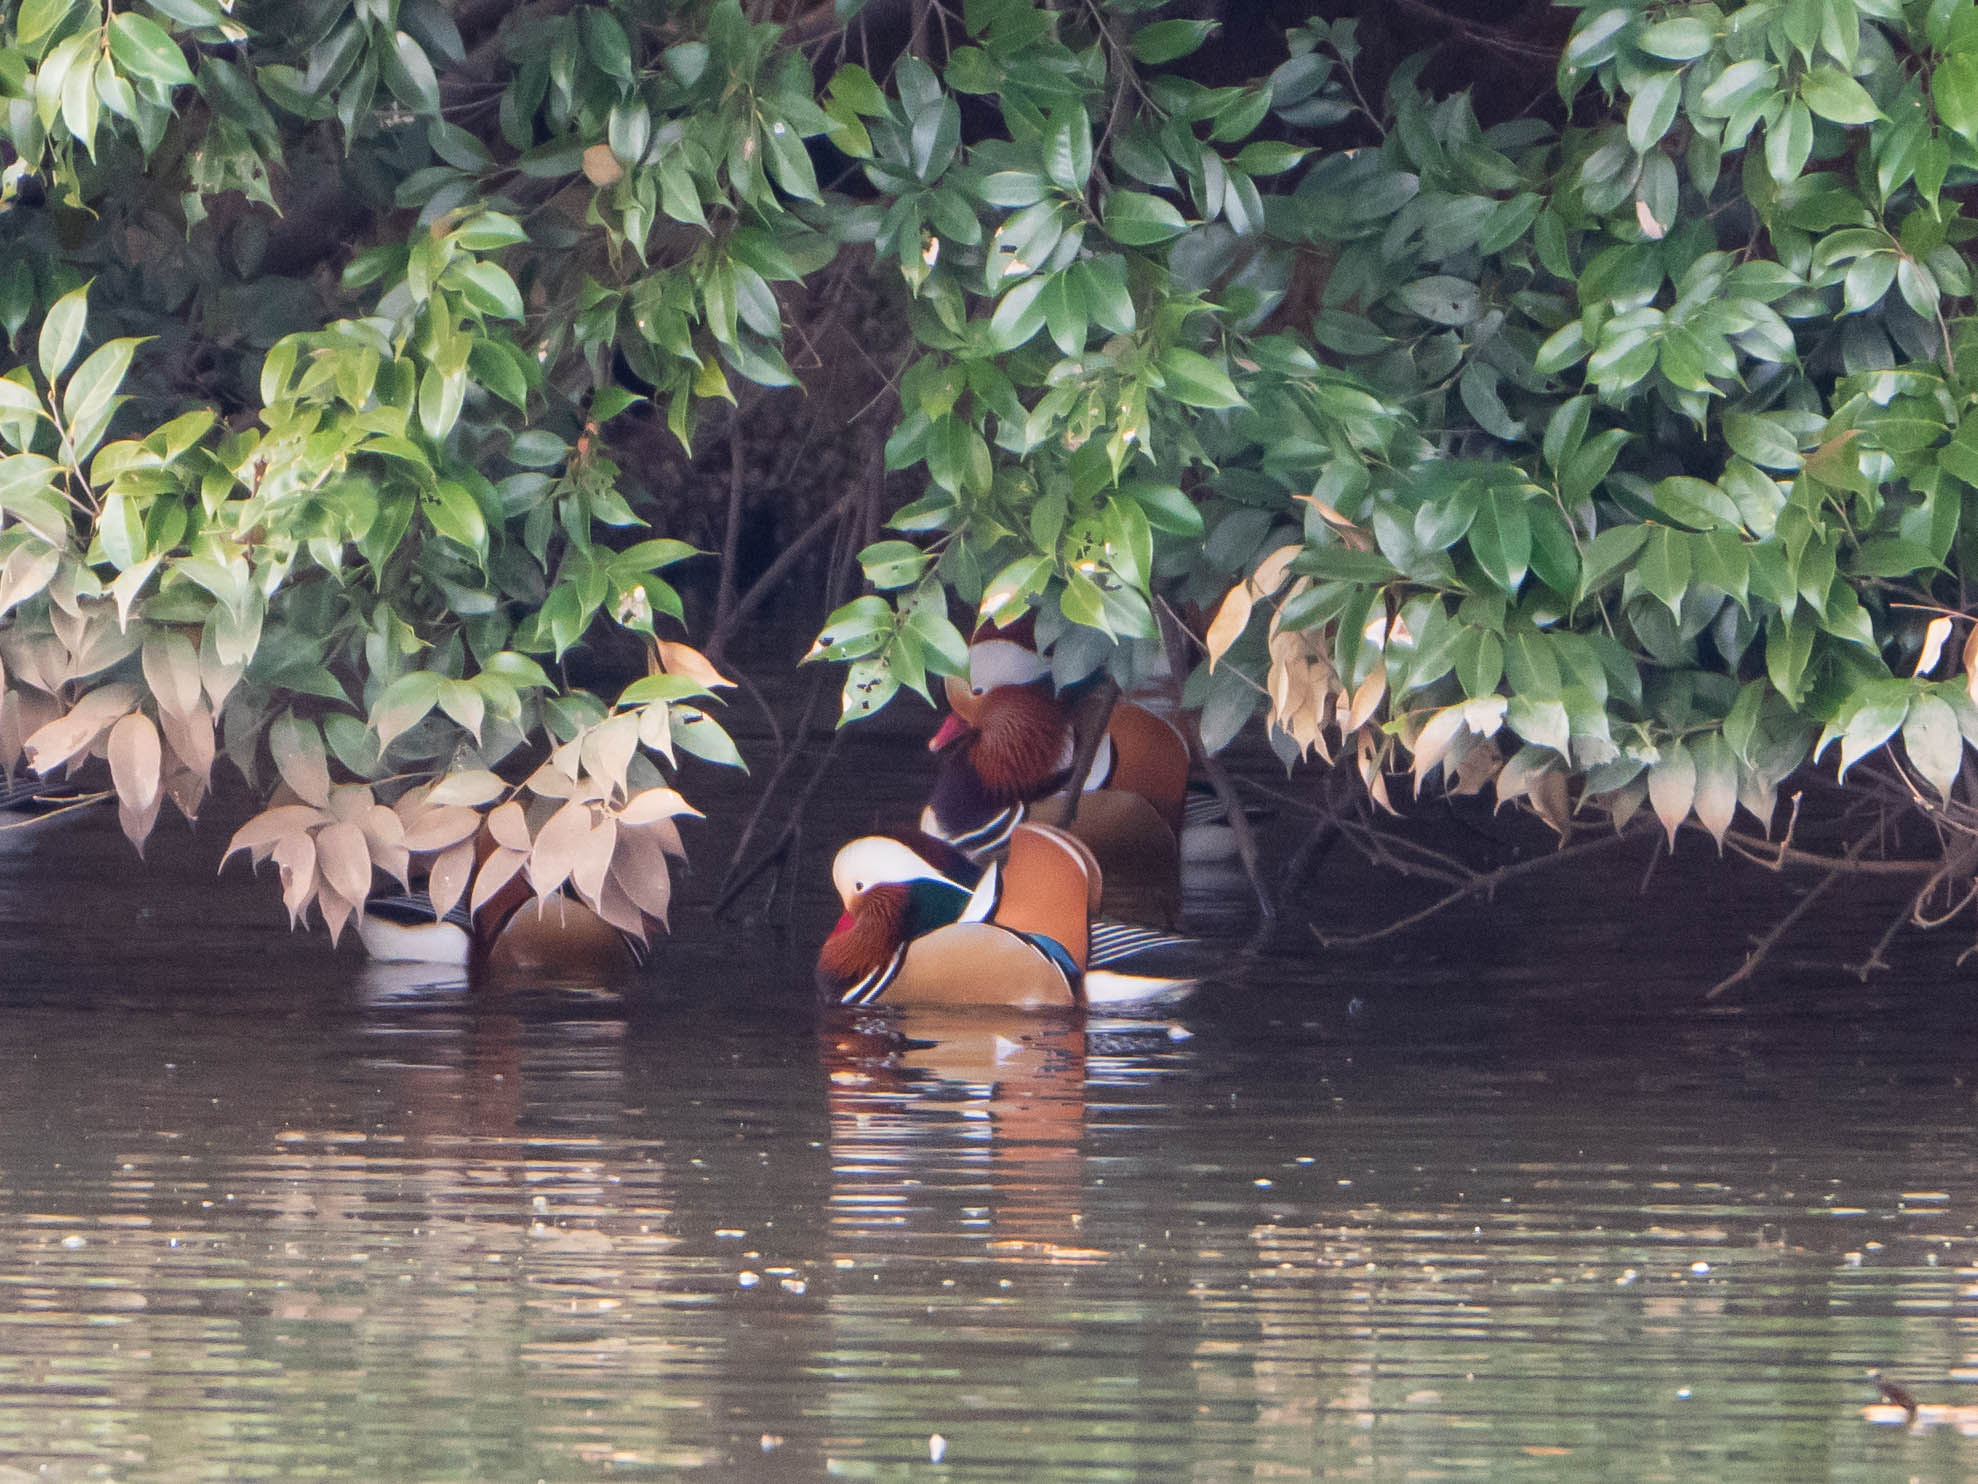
(866, 935)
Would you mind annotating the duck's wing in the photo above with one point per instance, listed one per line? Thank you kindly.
(1132, 964)
(1150, 758)
(1049, 880)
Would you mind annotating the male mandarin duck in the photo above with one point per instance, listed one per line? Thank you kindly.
(924, 925)
(1142, 752)
(1006, 753)
(513, 930)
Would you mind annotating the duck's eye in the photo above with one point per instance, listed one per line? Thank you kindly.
(978, 690)
(858, 886)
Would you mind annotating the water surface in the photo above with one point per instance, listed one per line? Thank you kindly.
(1457, 1210)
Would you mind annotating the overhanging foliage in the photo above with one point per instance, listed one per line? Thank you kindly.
(1609, 455)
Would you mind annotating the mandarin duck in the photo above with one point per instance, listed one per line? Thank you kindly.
(1009, 655)
(559, 935)
(923, 924)
(1006, 756)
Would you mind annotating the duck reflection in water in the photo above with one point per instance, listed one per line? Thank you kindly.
(942, 1116)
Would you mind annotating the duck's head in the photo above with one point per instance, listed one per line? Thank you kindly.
(997, 657)
(893, 888)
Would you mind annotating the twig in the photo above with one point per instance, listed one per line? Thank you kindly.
(731, 536)
(1095, 713)
(773, 575)
(1488, 882)
(1174, 639)
(1763, 948)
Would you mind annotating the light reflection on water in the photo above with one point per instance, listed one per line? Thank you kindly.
(270, 1215)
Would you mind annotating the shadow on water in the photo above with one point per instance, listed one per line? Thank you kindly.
(266, 1212)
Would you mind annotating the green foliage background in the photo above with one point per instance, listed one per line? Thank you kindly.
(1615, 453)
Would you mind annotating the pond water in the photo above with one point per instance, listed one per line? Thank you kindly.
(1461, 1210)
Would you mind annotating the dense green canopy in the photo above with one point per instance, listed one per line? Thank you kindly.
(1598, 447)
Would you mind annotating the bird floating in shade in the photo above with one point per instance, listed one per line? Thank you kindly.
(923, 924)
(1138, 754)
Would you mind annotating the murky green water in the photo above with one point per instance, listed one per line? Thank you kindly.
(267, 1214)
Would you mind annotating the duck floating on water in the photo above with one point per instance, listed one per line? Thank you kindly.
(1007, 658)
(512, 931)
(923, 924)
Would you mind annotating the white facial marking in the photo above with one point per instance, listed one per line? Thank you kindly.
(995, 662)
(874, 860)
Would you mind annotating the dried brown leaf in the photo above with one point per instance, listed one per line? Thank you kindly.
(335, 909)
(448, 878)
(656, 729)
(607, 750)
(351, 801)
(618, 909)
(653, 804)
(190, 736)
(295, 857)
(1435, 740)
(508, 827)
(1367, 698)
(1672, 788)
(472, 787)
(559, 844)
(684, 659)
(639, 867)
(437, 829)
(136, 761)
(62, 739)
(1933, 644)
(186, 789)
(1270, 573)
(593, 862)
(343, 856)
(1232, 617)
(270, 825)
(297, 748)
(496, 872)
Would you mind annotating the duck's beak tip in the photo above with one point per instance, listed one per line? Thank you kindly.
(951, 730)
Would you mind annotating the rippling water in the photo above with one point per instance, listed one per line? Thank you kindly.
(267, 1213)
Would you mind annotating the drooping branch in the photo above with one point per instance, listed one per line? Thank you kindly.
(1480, 885)
(1763, 948)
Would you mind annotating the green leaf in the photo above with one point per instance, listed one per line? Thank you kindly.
(1762, 440)
(406, 70)
(143, 49)
(696, 732)
(1834, 95)
(96, 381)
(1954, 90)
(1607, 555)
(61, 332)
(1501, 536)
(891, 564)
(487, 287)
(404, 703)
(1653, 108)
(1137, 219)
(1935, 746)
(1682, 39)
(1166, 508)
(1664, 567)
(1442, 299)
(606, 43)
(1869, 722)
(1163, 41)
(1196, 380)
(455, 513)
